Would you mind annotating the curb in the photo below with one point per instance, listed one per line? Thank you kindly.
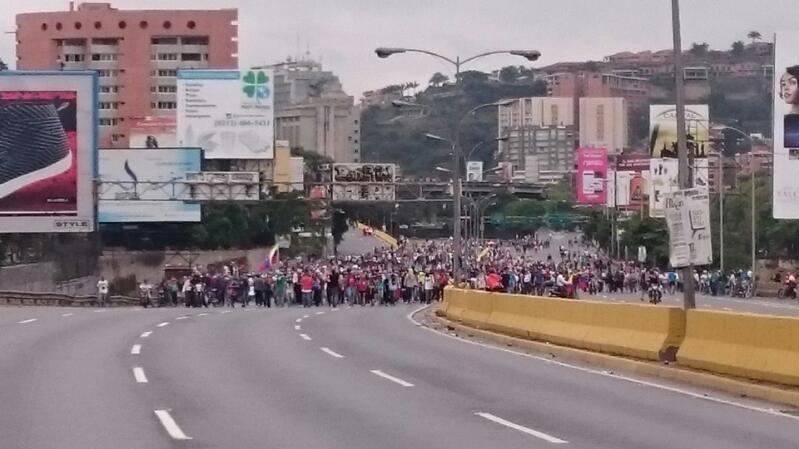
(742, 388)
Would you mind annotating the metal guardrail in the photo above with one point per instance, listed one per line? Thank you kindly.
(13, 298)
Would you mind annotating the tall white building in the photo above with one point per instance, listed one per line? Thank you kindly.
(603, 123)
(312, 111)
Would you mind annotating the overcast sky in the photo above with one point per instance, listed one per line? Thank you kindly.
(344, 33)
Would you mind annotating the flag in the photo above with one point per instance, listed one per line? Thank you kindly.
(271, 259)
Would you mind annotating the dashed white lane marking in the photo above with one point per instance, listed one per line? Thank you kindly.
(306, 316)
(138, 374)
(768, 411)
(225, 311)
(100, 311)
(520, 428)
(68, 314)
(202, 314)
(305, 337)
(181, 317)
(298, 320)
(332, 353)
(165, 323)
(30, 320)
(135, 349)
(396, 380)
(320, 313)
(145, 334)
(334, 309)
(297, 327)
(172, 427)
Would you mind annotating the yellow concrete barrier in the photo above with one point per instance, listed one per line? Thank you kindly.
(759, 347)
(636, 330)
(387, 238)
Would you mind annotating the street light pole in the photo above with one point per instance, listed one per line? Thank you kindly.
(686, 181)
(457, 188)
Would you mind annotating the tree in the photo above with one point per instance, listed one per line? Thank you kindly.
(3, 65)
(754, 35)
(438, 79)
(738, 48)
(509, 74)
(699, 49)
(472, 77)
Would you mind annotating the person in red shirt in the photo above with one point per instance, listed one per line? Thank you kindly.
(306, 287)
(443, 281)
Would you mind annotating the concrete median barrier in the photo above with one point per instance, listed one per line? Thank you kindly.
(758, 347)
(640, 331)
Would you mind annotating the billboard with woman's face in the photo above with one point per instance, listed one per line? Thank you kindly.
(786, 125)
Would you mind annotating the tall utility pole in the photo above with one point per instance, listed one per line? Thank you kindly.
(684, 173)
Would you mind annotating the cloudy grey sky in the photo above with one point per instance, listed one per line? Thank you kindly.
(344, 33)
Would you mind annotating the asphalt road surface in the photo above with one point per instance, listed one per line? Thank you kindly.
(320, 378)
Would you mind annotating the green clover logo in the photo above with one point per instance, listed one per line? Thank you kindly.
(256, 85)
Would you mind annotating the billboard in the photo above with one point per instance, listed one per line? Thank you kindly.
(222, 186)
(663, 130)
(153, 132)
(592, 171)
(688, 220)
(474, 171)
(363, 182)
(786, 125)
(142, 185)
(227, 113)
(664, 180)
(48, 146)
(628, 186)
(297, 173)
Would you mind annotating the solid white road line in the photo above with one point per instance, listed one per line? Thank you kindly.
(145, 334)
(135, 350)
(170, 425)
(297, 327)
(138, 374)
(305, 337)
(396, 380)
(165, 323)
(768, 411)
(181, 317)
(527, 430)
(68, 314)
(332, 353)
(320, 313)
(298, 320)
(30, 320)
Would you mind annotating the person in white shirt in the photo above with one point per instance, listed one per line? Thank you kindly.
(102, 291)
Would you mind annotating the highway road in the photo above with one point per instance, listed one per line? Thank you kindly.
(321, 378)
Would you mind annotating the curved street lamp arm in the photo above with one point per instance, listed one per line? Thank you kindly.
(488, 53)
(435, 55)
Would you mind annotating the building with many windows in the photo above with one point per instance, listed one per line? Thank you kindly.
(136, 54)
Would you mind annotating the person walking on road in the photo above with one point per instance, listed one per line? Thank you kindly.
(102, 292)
(306, 289)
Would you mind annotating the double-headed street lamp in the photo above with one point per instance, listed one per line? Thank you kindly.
(530, 55)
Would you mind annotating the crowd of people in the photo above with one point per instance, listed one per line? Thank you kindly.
(418, 271)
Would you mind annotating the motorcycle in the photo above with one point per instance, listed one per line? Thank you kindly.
(788, 290)
(566, 292)
(655, 294)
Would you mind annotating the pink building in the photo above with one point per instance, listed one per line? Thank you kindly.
(136, 53)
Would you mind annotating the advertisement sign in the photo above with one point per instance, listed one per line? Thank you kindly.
(227, 113)
(663, 181)
(629, 187)
(592, 170)
(153, 132)
(663, 130)
(688, 220)
(222, 186)
(474, 171)
(786, 125)
(48, 145)
(142, 185)
(297, 173)
(363, 182)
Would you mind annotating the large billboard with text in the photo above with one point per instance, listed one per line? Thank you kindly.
(663, 130)
(142, 185)
(227, 113)
(153, 132)
(592, 172)
(786, 125)
(48, 145)
(363, 182)
(629, 183)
